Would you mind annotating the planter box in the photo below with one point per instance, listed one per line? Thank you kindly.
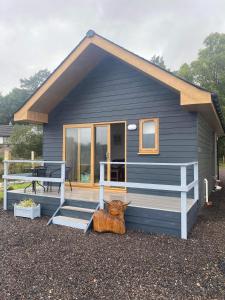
(27, 212)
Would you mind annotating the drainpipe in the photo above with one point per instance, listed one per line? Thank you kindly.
(216, 156)
(207, 202)
(217, 159)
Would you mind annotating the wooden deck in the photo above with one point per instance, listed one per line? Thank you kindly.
(164, 203)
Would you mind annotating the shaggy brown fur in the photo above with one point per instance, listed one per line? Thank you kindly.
(111, 221)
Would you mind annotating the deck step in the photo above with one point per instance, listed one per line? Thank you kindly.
(76, 208)
(70, 222)
(81, 203)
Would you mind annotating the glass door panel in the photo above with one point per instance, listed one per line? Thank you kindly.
(71, 151)
(101, 149)
(85, 155)
(117, 151)
(86, 146)
(78, 153)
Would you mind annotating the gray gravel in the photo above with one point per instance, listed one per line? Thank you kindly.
(52, 262)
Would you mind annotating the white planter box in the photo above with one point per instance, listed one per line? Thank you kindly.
(27, 212)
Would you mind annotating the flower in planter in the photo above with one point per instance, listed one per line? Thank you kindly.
(27, 203)
(27, 208)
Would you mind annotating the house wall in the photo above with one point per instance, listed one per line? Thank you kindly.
(159, 221)
(137, 218)
(114, 91)
(48, 204)
(206, 156)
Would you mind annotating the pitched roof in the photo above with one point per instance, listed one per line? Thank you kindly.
(5, 130)
(91, 51)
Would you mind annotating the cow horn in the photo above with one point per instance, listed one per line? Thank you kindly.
(126, 203)
(106, 201)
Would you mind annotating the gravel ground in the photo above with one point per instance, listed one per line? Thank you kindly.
(51, 262)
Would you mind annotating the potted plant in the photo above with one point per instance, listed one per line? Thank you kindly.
(27, 208)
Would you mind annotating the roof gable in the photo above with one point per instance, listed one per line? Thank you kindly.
(92, 50)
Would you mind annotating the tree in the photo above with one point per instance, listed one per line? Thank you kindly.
(24, 139)
(158, 60)
(16, 98)
(33, 82)
(185, 72)
(208, 70)
(10, 103)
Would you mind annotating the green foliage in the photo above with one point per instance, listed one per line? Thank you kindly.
(158, 60)
(33, 82)
(24, 139)
(10, 103)
(15, 186)
(221, 147)
(10, 188)
(185, 72)
(27, 203)
(208, 70)
(16, 98)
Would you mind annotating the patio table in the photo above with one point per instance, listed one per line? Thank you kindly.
(36, 172)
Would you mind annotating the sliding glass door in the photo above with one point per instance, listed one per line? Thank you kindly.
(78, 153)
(86, 145)
(101, 148)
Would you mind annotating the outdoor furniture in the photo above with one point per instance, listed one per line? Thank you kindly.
(112, 220)
(117, 171)
(67, 178)
(36, 172)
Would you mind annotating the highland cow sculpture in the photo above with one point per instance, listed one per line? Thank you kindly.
(113, 220)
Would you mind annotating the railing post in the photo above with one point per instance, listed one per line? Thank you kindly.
(101, 183)
(62, 190)
(32, 158)
(196, 191)
(6, 166)
(183, 198)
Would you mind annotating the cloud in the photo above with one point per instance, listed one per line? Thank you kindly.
(39, 34)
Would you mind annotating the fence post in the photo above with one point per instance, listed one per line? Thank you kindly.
(62, 190)
(7, 155)
(5, 185)
(101, 183)
(183, 177)
(32, 158)
(196, 191)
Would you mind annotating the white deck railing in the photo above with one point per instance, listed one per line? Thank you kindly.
(183, 188)
(8, 176)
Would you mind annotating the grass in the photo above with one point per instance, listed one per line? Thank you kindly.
(14, 187)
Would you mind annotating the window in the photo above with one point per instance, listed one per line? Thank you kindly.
(149, 136)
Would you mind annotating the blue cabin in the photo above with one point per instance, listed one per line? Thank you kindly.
(128, 130)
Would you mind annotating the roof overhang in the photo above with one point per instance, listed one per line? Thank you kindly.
(85, 57)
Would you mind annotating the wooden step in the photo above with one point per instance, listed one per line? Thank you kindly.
(76, 208)
(81, 203)
(70, 222)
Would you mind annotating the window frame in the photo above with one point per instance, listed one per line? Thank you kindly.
(154, 150)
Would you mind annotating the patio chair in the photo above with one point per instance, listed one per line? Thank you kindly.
(55, 173)
(36, 172)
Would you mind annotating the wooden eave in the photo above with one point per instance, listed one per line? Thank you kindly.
(90, 52)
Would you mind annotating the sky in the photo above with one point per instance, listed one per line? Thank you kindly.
(38, 34)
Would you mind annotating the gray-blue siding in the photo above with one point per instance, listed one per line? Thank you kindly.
(137, 218)
(206, 155)
(114, 91)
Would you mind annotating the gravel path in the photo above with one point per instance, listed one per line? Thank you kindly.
(51, 262)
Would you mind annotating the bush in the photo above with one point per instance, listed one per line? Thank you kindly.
(10, 188)
(27, 203)
(24, 139)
